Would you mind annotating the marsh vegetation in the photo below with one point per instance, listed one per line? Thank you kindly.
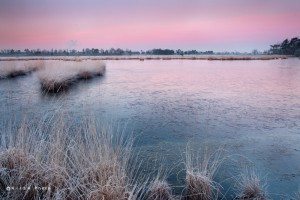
(11, 69)
(60, 160)
(89, 159)
(60, 75)
(148, 57)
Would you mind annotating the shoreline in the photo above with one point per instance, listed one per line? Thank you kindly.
(148, 57)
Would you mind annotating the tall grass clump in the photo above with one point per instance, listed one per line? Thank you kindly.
(201, 168)
(60, 75)
(159, 190)
(57, 77)
(158, 187)
(58, 160)
(11, 69)
(250, 186)
(92, 69)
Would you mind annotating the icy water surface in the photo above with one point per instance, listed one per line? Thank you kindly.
(251, 108)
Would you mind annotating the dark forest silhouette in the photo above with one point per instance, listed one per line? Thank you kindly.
(287, 47)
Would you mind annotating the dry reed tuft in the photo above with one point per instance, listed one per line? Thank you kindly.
(250, 187)
(82, 162)
(55, 79)
(76, 58)
(200, 171)
(11, 69)
(19, 170)
(60, 75)
(92, 69)
(87, 161)
(199, 186)
(159, 190)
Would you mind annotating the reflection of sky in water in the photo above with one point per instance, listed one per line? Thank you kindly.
(251, 107)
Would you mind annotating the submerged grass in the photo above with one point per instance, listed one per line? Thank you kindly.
(60, 75)
(11, 69)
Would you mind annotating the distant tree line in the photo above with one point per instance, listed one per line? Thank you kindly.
(287, 47)
(97, 52)
(67, 52)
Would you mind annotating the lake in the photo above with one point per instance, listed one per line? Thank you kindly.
(250, 108)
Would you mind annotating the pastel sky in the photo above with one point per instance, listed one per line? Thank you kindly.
(218, 25)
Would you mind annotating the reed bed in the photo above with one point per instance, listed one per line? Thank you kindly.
(92, 69)
(58, 161)
(149, 57)
(60, 75)
(11, 69)
(56, 78)
(201, 167)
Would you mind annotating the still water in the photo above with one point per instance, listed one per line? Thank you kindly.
(250, 108)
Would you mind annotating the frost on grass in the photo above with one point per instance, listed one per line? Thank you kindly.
(81, 162)
(158, 190)
(200, 170)
(250, 186)
(11, 69)
(59, 75)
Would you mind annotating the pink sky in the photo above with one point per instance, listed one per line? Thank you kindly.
(232, 25)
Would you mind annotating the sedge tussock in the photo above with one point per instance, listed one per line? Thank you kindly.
(250, 187)
(83, 162)
(60, 75)
(159, 190)
(92, 69)
(200, 170)
(158, 187)
(56, 78)
(11, 69)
